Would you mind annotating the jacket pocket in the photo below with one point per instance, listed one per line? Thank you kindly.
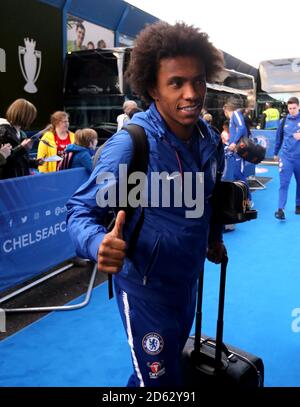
(152, 261)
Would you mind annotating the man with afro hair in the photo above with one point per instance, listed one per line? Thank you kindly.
(156, 283)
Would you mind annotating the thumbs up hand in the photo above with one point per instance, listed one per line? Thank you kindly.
(117, 230)
(112, 250)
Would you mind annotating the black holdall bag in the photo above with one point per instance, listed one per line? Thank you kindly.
(250, 151)
(231, 204)
(208, 363)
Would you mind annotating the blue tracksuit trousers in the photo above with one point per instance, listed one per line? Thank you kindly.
(288, 167)
(156, 336)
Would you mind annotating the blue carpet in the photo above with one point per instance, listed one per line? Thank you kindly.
(262, 289)
(88, 347)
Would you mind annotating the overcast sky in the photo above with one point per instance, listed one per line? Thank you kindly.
(252, 31)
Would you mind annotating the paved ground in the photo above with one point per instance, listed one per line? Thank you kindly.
(58, 290)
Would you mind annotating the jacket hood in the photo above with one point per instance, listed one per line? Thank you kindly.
(150, 120)
(75, 148)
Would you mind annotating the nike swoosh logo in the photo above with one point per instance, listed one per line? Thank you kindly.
(169, 177)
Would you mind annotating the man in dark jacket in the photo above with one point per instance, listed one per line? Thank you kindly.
(156, 283)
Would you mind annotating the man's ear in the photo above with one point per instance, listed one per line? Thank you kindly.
(153, 93)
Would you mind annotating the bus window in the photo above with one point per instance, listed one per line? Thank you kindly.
(279, 80)
(93, 89)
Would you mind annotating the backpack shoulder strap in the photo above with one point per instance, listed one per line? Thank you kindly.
(140, 157)
(139, 162)
(140, 143)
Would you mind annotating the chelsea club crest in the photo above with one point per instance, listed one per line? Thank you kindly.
(153, 343)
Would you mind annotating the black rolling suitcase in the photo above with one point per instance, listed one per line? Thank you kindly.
(210, 363)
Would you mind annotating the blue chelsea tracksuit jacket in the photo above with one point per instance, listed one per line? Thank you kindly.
(234, 163)
(156, 288)
(289, 161)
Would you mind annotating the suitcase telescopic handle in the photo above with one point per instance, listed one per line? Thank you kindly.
(198, 327)
(220, 321)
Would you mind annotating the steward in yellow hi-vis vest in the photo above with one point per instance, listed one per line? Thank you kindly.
(272, 117)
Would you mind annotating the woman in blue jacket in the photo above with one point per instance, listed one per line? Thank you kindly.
(156, 283)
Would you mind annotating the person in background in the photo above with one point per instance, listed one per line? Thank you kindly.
(128, 105)
(19, 115)
(133, 111)
(156, 279)
(237, 130)
(270, 117)
(101, 44)
(207, 117)
(247, 114)
(5, 152)
(225, 140)
(54, 141)
(85, 142)
(288, 141)
(90, 45)
(225, 133)
(77, 45)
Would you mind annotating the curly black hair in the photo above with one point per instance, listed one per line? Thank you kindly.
(162, 40)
